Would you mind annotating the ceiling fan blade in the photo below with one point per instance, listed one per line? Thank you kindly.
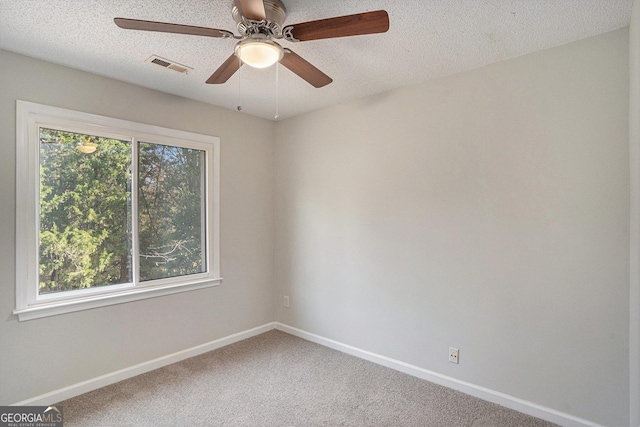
(226, 70)
(341, 26)
(252, 9)
(304, 69)
(164, 27)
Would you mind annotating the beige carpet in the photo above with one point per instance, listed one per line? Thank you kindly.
(276, 379)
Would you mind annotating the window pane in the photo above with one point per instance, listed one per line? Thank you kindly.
(85, 211)
(171, 211)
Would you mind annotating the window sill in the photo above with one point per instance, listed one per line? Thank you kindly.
(103, 300)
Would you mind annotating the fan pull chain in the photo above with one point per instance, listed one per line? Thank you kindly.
(239, 107)
(277, 116)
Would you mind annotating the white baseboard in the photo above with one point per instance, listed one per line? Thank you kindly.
(483, 393)
(113, 377)
(493, 396)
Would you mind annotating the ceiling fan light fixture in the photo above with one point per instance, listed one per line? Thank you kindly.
(258, 52)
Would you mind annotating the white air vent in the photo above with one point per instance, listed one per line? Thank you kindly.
(166, 63)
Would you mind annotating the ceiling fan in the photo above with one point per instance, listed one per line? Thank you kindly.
(260, 23)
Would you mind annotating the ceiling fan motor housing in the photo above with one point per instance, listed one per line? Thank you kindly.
(275, 14)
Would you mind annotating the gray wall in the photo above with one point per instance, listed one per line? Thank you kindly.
(42, 355)
(487, 211)
(634, 234)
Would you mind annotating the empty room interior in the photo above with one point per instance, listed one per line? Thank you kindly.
(454, 196)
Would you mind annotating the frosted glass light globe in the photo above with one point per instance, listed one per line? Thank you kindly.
(259, 53)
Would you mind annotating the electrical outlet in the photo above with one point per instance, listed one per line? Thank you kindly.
(286, 301)
(453, 355)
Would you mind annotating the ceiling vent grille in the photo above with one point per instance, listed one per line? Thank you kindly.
(166, 63)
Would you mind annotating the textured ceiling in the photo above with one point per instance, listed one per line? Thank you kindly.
(427, 39)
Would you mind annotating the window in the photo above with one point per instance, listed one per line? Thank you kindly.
(110, 211)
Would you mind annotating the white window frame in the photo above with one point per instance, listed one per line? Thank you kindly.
(29, 118)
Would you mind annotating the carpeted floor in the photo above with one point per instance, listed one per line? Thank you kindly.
(276, 379)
